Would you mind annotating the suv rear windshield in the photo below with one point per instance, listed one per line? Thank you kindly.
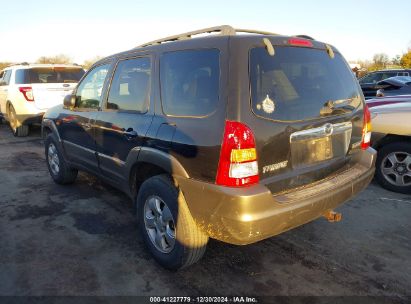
(298, 83)
(49, 75)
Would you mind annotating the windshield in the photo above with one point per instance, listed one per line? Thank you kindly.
(298, 83)
(49, 75)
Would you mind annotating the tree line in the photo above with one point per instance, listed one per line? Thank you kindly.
(58, 59)
(381, 61)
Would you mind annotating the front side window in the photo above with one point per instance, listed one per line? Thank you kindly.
(190, 82)
(130, 87)
(90, 90)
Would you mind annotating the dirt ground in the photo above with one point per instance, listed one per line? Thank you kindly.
(82, 239)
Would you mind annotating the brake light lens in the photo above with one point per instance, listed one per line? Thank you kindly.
(238, 164)
(366, 130)
(300, 42)
(27, 92)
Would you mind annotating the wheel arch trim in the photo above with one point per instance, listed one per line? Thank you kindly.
(48, 123)
(156, 157)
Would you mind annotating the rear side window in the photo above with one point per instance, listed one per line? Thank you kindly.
(376, 77)
(22, 76)
(370, 78)
(6, 77)
(298, 83)
(130, 86)
(49, 75)
(190, 82)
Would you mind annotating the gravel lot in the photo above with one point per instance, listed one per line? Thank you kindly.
(82, 240)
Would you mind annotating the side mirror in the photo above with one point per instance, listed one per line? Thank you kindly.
(69, 101)
(380, 93)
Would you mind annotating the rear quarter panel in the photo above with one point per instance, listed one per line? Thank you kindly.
(398, 123)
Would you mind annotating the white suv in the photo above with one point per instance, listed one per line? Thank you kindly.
(28, 90)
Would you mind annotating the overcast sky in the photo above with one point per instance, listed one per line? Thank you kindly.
(84, 29)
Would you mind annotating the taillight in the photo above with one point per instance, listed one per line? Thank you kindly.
(300, 42)
(238, 158)
(366, 129)
(27, 92)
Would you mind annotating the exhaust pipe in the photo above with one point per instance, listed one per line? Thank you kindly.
(332, 216)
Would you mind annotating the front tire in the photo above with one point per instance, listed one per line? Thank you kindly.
(18, 129)
(393, 167)
(59, 170)
(166, 225)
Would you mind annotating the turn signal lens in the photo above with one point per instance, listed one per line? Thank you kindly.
(366, 130)
(243, 155)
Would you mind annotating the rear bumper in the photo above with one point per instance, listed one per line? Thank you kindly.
(247, 215)
(27, 112)
(30, 118)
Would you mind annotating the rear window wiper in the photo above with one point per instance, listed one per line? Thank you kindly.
(335, 106)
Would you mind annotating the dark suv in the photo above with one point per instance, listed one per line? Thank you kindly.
(371, 82)
(233, 137)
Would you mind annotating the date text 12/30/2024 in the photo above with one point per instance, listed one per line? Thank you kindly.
(203, 300)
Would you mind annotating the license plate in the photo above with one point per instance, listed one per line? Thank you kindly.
(311, 151)
(315, 145)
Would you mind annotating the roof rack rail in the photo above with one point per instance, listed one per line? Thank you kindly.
(224, 30)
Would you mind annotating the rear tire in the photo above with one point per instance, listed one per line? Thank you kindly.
(393, 167)
(59, 170)
(166, 225)
(18, 129)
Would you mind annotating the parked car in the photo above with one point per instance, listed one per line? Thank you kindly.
(399, 85)
(28, 90)
(391, 137)
(369, 83)
(380, 101)
(233, 137)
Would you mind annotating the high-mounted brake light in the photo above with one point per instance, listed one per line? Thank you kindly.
(238, 158)
(300, 42)
(27, 93)
(366, 130)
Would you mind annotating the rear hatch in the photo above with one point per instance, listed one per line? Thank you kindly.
(50, 85)
(306, 113)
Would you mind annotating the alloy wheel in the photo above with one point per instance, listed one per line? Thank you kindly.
(159, 224)
(53, 159)
(396, 168)
(13, 120)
